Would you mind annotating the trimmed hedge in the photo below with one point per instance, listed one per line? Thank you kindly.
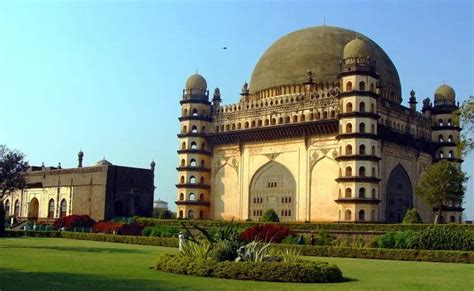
(383, 254)
(32, 233)
(301, 226)
(126, 239)
(302, 272)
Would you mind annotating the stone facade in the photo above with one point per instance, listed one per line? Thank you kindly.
(103, 191)
(337, 150)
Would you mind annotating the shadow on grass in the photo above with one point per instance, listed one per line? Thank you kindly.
(76, 249)
(11, 279)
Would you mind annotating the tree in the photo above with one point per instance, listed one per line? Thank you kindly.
(270, 216)
(412, 216)
(163, 213)
(441, 185)
(466, 120)
(12, 177)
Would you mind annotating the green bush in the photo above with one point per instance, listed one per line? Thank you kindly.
(383, 254)
(412, 216)
(270, 216)
(161, 231)
(14, 233)
(303, 272)
(432, 238)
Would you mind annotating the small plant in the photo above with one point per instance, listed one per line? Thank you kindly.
(253, 252)
(196, 250)
(72, 221)
(290, 255)
(324, 238)
(270, 216)
(412, 216)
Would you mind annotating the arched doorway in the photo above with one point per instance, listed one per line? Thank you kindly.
(33, 209)
(399, 195)
(273, 187)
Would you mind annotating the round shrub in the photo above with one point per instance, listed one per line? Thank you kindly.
(412, 216)
(301, 272)
(270, 216)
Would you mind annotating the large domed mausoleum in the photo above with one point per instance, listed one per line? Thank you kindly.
(320, 134)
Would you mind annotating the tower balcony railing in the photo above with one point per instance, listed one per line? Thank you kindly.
(193, 186)
(372, 158)
(357, 200)
(362, 179)
(195, 202)
(191, 168)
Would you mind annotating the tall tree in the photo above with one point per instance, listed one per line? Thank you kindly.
(12, 177)
(442, 185)
(466, 120)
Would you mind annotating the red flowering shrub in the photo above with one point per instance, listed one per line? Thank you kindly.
(71, 221)
(131, 229)
(266, 232)
(106, 227)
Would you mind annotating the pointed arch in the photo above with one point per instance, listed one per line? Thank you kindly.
(283, 185)
(399, 195)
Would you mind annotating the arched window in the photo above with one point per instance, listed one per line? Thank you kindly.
(227, 127)
(191, 214)
(347, 215)
(361, 215)
(16, 211)
(183, 162)
(318, 115)
(452, 219)
(451, 154)
(217, 128)
(192, 180)
(362, 149)
(333, 113)
(194, 129)
(449, 124)
(348, 171)
(374, 174)
(193, 145)
(372, 87)
(373, 193)
(182, 180)
(325, 114)
(51, 208)
(185, 129)
(295, 118)
(192, 197)
(233, 126)
(203, 129)
(260, 122)
(7, 207)
(362, 171)
(181, 196)
(362, 192)
(349, 128)
(201, 197)
(267, 122)
(362, 106)
(201, 214)
(252, 124)
(440, 122)
(181, 214)
(450, 138)
(349, 107)
(311, 116)
(63, 208)
(362, 86)
(373, 150)
(193, 163)
(302, 117)
(246, 124)
(348, 150)
(372, 107)
(195, 112)
(362, 127)
(372, 128)
(440, 138)
(183, 145)
(349, 86)
(441, 154)
(202, 180)
(348, 193)
(185, 112)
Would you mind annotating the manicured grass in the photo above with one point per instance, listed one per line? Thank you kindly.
(63, 264)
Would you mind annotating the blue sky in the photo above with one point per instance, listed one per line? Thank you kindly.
(107, 76)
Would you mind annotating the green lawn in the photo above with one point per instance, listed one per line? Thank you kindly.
(63, 264)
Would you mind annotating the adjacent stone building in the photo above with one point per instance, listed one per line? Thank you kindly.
(102, 191)
(319, 135)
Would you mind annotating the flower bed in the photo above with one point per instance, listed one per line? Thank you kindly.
(302, 272)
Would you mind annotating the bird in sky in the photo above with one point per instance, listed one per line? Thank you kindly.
(224, 48)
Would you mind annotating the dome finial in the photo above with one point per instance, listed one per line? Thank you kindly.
(324, 20)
